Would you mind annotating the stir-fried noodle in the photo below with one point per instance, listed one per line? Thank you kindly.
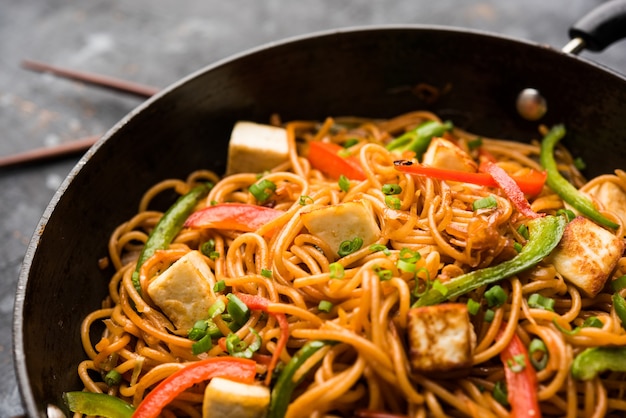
(361, 305)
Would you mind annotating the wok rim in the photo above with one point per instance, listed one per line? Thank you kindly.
(18, 347)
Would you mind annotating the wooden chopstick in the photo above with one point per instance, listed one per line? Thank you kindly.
(46, 153)
(100, 80)
(79, 145)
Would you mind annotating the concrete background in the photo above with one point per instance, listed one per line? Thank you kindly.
(156, 42)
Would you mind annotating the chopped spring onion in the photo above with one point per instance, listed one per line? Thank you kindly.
(500, 393)
(475, 143)
(219, 286)
(305, 200)
(113, 378)
(266, 273)
(238, 348)
(380, 247)
(579, 163)
(495, 296)
(208, 247)
(344, 183)
(325, 306)
(383, 274)
(203, 345)
(489, 315)
(406, 266)
(538, 354)
(350, 142)
(472, 306)
(539, 301)
(485, 203)
(336, 270)
(349, 246)
(518, 363)
(198, 331)
(409, 255)
(390, 189)
(217, 308)
(238, 310)
(523, 231)
(393, 202)
(262, 190)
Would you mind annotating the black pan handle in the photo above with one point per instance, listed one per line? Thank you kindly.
(598, 29)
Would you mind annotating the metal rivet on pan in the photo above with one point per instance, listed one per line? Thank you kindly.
(531, 105)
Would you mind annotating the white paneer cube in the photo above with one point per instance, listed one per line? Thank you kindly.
(225, 398)
(586, 255)
(441, 338)
(442, 153)
(612, 197)
(255, 148)
(343, 222)
(183, 291)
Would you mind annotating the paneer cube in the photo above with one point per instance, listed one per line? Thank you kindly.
(255, 148)
(343, 222)
(612, 197)
(225, 398)
(442, 153)
(586, 255)
(183, 291)
(441, 338)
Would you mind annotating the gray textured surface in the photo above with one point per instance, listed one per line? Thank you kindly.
(156, 42)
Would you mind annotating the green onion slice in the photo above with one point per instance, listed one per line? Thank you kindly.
(262, 190)
(485, 203)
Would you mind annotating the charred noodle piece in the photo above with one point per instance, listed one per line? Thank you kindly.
(588, 364)
(237, 369)
(100, 404)
(418, 139)
(284, 387)
(561, 186)
(169, 226)
(545, 234)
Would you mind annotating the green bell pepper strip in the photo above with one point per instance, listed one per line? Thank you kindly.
(100, 404)
(284, 387)
(169, 226)
(561, 186)
(619, 304)
(418, 139)
(595, 360)
(544, 234)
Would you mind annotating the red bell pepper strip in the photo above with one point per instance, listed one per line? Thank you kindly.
(239, 369)
(237, 216)
(326, 157)
(511, 189)
(521, 379)
(531, 183)
(262, 304)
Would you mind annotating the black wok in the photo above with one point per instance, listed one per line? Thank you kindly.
(369, 71)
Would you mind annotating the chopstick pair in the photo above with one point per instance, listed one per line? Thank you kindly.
(83, 144)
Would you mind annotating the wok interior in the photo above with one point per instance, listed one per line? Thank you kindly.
(363, 72)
